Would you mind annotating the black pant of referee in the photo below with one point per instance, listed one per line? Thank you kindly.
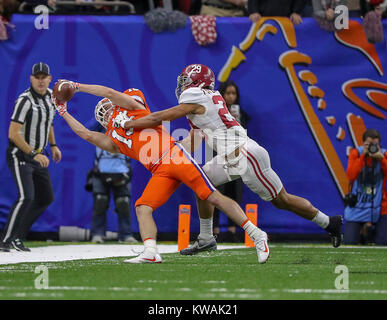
(35, 194)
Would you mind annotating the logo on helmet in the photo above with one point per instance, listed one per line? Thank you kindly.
(195, 75)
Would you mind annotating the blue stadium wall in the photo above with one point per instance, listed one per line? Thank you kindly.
(122, 52)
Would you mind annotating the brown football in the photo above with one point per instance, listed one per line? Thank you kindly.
(63, 90)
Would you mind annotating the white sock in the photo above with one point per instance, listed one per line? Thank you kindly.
(253, 231)
(150, 244)
(321, 219)
(206, 229)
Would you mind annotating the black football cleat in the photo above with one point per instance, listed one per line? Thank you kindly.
(19, 245)
(334, 230)
(200, 245)
(5, 247)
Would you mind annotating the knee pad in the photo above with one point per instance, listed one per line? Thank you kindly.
(122, 206)
(101, 204)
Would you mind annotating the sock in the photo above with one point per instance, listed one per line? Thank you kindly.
(321, 219)
(252, 230)
(205, 229)
(150, 244)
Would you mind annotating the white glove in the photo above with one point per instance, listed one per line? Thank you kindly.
(59, 106)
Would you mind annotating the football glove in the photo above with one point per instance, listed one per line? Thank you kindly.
(59, 106)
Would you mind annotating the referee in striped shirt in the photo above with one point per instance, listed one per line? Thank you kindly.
(29, 133)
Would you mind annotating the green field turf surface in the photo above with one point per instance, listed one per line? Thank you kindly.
(292, 272)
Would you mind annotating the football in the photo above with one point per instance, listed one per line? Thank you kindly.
(63, 90)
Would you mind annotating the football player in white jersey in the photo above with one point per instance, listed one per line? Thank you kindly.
(237, 154)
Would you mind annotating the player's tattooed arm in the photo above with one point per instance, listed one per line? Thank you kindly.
(156, 118)
(118, 98)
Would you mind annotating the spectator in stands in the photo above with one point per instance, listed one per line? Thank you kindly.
(7, 8)
(324, 12)
(234, 189)
(372, 12)
(140, 6)
(111, 175)
(282, 8)
(194, 8)
(380, 6)
(184, 6)
(96, 9)
(367, 201)
(354, 8)
(223, 8)
(308, 9)
(143, 6)
(29, 5)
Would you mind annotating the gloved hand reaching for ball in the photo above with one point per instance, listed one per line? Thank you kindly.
(61, 107)
(64, 90)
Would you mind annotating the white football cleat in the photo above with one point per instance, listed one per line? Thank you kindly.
(262, 247)
(145, 257)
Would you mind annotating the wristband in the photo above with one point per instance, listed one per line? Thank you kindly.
(53, 145)
(76, 86)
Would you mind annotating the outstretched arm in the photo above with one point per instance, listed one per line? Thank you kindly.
(118, 98)
(156, 118)
(97, 138)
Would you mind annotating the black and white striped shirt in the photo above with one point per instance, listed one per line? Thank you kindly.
(36, 113)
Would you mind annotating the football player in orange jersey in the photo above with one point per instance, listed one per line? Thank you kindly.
(166, 158)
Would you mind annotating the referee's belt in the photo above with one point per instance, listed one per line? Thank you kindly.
(226, 7)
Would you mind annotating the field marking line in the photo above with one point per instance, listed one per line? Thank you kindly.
(62, 253)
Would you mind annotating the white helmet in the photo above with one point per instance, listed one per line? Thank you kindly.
(103, 112)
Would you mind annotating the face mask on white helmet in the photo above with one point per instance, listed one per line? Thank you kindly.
(103, 112)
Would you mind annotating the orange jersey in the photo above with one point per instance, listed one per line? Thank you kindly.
(147, 146)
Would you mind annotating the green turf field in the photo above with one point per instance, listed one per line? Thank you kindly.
(292, 272)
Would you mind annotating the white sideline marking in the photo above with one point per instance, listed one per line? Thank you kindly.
(98, 251)
(84, 252)
(75, 288)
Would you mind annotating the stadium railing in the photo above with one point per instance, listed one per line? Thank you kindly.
(73, 4)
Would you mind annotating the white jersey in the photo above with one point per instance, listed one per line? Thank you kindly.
(220, 129)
